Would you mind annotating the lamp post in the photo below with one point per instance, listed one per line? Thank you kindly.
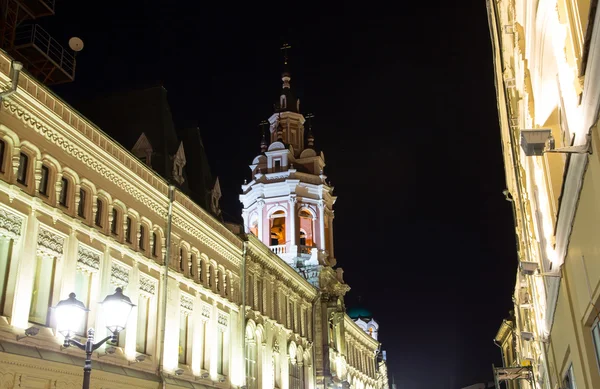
(70, 314)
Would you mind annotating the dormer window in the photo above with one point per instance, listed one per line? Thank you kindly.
(277, 163)
(143, 150)
(178, 164)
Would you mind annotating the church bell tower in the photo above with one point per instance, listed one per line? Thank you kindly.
(288, 204)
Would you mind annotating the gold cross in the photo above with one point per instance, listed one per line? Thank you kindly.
(285, 48)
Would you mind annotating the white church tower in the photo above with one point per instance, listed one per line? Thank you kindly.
(288, 204)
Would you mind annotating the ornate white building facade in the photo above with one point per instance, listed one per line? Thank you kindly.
(80, 213)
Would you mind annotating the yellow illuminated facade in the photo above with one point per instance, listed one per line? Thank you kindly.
(547, 74)
(80, 213)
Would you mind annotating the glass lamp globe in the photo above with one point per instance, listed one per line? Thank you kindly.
(116, 308)
(70, 315)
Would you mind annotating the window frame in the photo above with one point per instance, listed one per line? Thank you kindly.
(83, 206)
(24, 181)
(65, 190)
(44, 183)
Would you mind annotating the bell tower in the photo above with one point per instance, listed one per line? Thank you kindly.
(288, 204)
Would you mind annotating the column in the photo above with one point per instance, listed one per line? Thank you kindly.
(133, 291)
(25, 273)
(331, 217)
(69, 266)
(321, 205)
(260, 206)
(197, 341)
(104, 289)
(212, 336)
(292, 233)
(246, 221)
(171, 351)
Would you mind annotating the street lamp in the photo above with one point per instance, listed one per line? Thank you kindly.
(70, 315)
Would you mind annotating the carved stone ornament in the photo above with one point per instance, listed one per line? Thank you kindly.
(187, 302)
(88, 259)
(205, 312)
(10, 224)
(276, 346)
(222, 320)
(119, 275)
(50, 243)
(147, 285)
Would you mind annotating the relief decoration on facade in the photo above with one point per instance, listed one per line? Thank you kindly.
(119, 275)
(87, 259)
(50, 243)
(10, 224)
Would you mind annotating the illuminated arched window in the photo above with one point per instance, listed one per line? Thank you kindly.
(306, 228)
(277, 224)
(254, 225)
(250, 359)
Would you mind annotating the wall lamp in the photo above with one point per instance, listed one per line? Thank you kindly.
(31, 331)
(536, 142)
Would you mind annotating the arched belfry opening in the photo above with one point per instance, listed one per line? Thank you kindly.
(278, 228)
(307, 225)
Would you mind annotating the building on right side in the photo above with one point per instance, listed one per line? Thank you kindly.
(546, 56)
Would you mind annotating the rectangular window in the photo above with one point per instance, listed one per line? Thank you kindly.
(5, 257)
(142, 241)
(43, 283)
(44, 180)
(220, 335)
(277, 165)
(596, 339)
(22, 171)
(82, 200)
(154, 248)
(113, 225)
(99, 205)
(83, 283)
(569, 380)
(64, 191)
(2, 152)
(183, 337)
(142, 325)
(128, 232)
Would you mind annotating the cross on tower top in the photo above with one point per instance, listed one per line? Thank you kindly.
(285, 48)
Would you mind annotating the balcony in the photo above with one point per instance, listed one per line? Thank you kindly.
(43, 56)
(38, 8)
(279, 249)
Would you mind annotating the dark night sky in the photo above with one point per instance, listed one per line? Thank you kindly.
(405, 113)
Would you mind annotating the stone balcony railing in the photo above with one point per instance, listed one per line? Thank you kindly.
(279, 249)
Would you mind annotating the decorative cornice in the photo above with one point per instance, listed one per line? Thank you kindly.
(205, 311)
(79, 153)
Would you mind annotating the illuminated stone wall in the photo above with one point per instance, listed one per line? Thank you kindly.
(547, 65)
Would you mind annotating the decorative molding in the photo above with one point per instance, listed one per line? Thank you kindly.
(222, 319)
(147, 284)
(88, 259)
(49, 242)
(276, 346)
(119, 274)
(10, 223)
(79, 153)
(186, 302)
(205, 312)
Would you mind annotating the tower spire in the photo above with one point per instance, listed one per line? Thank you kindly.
(310, 138)
(285, 77)
(263, 140)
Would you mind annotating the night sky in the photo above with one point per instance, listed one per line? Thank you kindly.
(405, 114)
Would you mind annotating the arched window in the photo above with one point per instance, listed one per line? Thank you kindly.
(254, 225)
(250, 358)
(142, 240)
(155, 244)
(193, 260)
(306, 228)
(99, 212)
(23, 170)
(278, 232)
(65, 189)
(2, 155)
(296, 376)
(81, 208)
(44, 180)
